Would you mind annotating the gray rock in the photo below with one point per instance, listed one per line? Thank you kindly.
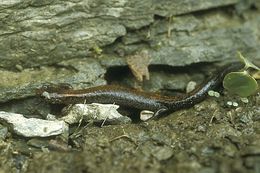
(3, 132)
(33, 127)
(78, 73)
(192, 40)
(34, 33)
(58, 39)
(93, 112)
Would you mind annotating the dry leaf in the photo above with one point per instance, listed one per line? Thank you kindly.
(138, 64)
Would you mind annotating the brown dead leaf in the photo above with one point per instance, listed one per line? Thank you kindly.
(138, 63)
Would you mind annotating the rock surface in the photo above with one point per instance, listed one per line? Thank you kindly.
(65, 42)
(35, 33)
(33, 127)
(79, 42)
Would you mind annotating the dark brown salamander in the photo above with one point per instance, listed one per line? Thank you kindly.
(132, 98)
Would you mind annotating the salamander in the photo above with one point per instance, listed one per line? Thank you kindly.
(136, 99)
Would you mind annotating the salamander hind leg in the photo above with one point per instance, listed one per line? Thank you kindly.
(160, 112)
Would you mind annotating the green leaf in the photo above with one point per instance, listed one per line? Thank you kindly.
(240, 83)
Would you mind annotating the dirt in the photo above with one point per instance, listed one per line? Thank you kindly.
(207, 138)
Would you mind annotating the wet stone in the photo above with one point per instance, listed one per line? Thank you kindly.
(93, 113)
(3, 132)
(78, 73)
(252, 150)
(246, 118)
(33, 127)
(207, 170)
(163, 153)
(38, 143)
(252, 162)
(222, 130)
(201, 128)
(230, 150)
